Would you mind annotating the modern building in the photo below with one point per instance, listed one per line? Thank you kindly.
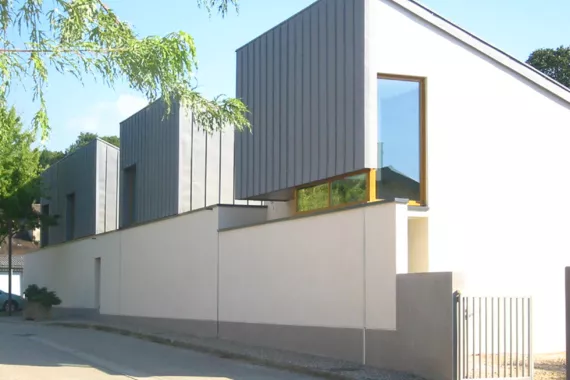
(397, 156)
(170, 165)
(82, 190)
(358, 101)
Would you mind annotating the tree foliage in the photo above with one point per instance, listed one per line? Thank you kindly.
(20, 183)
(348, 190)
(49, 157)
(85, 138)
(553, 62)
(86, 37)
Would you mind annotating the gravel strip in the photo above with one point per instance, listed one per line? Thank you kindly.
(281, 359)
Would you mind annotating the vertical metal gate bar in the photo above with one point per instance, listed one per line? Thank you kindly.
(486, 335)
(513, 322)
(461, 317)
(498, 337)
(480, 340)
(517, 335)
(511, 337)
(523, 336)
(530, 340)
(505, 336)
(459, 340)
(492, 336)
(465, 317)
(473, 354)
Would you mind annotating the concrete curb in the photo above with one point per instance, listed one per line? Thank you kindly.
(225, 354)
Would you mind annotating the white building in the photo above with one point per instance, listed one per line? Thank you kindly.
(398, 156)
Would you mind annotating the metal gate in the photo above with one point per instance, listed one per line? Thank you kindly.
(493, 337)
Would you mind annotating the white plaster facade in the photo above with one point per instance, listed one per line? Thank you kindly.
(493, 138)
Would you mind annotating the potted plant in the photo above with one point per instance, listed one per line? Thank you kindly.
(39, 302)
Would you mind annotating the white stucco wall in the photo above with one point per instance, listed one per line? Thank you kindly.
(334, 270)
(164, 269)
(494, 140)
(311, 271)
(168, 268)
(69, 269)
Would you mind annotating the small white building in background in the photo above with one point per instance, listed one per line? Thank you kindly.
(388, 145)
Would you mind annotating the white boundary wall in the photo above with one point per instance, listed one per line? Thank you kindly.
(316, 271)
(313, 271)
(145, 271)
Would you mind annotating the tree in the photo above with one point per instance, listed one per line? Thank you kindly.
(553, 62)
(20, 183)
(85, 138)
(113, 140)
(49, 157)
(86, 37)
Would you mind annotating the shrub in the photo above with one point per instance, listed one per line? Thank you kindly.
(43, 296)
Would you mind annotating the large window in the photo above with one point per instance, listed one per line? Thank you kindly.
(336, 192)
(400, 139)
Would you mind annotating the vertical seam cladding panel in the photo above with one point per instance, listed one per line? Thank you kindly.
(175, 169)
(256, 117)
(360, 90)
(314, 125)
(262, 125)
(349, 125)
(238, 140)
(299, 99)
(250, 146)
(269, 156)
(303, 82)
(340, 86)
(276, 114)
(323, 86)
(291, 93)
(306, 95)
(332, 86)
(288, 133)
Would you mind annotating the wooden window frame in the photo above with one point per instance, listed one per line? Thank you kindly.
(423, 140)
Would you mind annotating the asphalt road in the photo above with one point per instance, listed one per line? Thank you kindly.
(37, 352)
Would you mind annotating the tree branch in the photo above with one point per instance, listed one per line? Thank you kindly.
(45, 51)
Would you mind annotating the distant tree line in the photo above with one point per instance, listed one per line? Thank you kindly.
(49, 157)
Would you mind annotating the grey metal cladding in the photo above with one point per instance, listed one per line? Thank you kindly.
(151, 142)
(87, 174)
(107, 187)
(179, 167)
(303, 82)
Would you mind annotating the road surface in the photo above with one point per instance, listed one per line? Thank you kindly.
(37, 352)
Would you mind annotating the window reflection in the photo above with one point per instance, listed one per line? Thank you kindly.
(398, 174)
(349, 190)
(313, 198)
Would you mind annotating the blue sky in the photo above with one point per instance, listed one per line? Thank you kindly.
(515, 26)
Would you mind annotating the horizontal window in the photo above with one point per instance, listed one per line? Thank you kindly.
(313, 198)
(349, 190)
(336, 192)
